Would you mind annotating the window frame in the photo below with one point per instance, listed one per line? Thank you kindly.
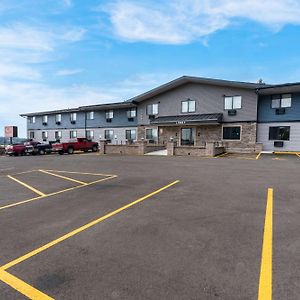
(72, 119)
(44, 135)
(230, 126)
(188, 101)
(109, 114)
(32, 120)
(154, 138)
(90, 115)
(31, 135)
(130, 133)
(232, 102)
(71, 135)
(90, 136)
(112, 135)
(45, 118)
(152, 111)
(58, 134)
(280, 139)
(279, 98)
(57, 119)
(129, 112)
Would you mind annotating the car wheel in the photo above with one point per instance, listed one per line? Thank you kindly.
(61, 152)
(41, 151)
(95, 149)
(70, 150)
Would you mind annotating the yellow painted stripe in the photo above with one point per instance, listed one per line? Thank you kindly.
(27, 185)
(258, 155)
(298, 155)
(55, 193)
(63, 177)
(84, 227)
(82, 173)
(221, 155)
(22, 287)
(265, 280)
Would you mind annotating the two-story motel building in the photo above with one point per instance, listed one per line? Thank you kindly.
(188, 110)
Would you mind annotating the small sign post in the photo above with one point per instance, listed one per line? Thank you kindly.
(10, 132)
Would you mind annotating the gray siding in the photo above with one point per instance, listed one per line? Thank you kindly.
(119, 120)
(209, 99)
(292, 145)
(267, 114)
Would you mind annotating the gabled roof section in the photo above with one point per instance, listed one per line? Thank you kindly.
(42, 113)
(191, 79)
(280, 89)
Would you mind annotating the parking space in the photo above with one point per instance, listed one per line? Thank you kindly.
(116, 227)
(294, 157)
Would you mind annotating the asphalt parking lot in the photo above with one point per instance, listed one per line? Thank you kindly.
(124, 227)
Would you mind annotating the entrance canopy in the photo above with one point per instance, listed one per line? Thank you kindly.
(188, 119)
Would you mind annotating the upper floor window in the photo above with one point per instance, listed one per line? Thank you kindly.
(45, 120)
(90, 115)
(32, 120)
(131, 113)
(58, 118)
(281, 133)
(152, 109)
(73, 117)
(281, 101)
(232, 102)
(188, 106)
(109, 114)
(131, 134)
(90, 134)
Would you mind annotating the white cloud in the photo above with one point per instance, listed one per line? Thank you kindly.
(68, 72)
(182, 21)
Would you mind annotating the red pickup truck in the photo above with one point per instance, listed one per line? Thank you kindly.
(81, 144)
(15, 149)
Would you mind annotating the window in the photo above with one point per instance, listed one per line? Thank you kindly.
(109, 134)
(152, 109)
(58, 118)
(44, 135)
(232, 102)
(281, 101)
(188, 106)
(31, 120)
(31, 135)
(45, 120)
(58, 135)
(131, 113)
(73, 117)
(232, 133)
(73, 134)
(90, 134)
(151, 134)
(280, 133)
(90, 115)
(131, 134)
(187, 137)
(109, 114)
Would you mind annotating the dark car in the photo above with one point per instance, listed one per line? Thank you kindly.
(33, 148)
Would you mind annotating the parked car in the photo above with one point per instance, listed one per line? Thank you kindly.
(81, 144)
(15, 149)
(33, 147)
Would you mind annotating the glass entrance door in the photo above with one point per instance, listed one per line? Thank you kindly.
(187, 137)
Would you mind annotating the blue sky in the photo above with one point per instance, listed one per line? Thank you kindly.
(64, 53)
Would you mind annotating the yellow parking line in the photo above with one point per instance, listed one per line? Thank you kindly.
(84, 227)
(27, 185)
(265, 280)
(258, 155)
(63, 177)
(221, 155)
(55, 193)
(298, 155)
(81, 173)
(22, 287)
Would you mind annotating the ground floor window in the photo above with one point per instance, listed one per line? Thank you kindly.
(31, 135)
(109, 134)
(151, 134)
(58, 135)
(187, 137)
(73, 134)
(44, 135)
(232, 133)
(279, 133)
(90, 134)
(130, 134)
